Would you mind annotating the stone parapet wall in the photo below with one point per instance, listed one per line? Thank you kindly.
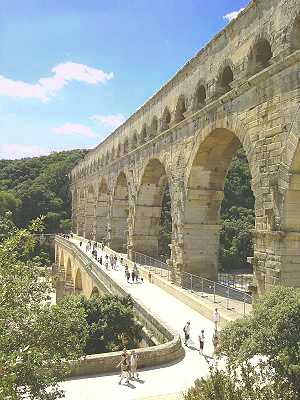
(168, 347)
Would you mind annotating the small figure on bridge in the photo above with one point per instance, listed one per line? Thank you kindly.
(125, 368)
(201, 341)
(133, 364)
(216, 318)
(215, 340)
(187, 330)
(149, 277)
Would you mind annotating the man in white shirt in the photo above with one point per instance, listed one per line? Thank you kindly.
(216, 318)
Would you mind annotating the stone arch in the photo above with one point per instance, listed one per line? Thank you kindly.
(148, 207)
(259, 56)
(112, 154)
(95, 291)
(180, 109)
(125, 146)
(62, 259)
(102, 207)
(204, 194)
(119, 214)
(134, 141)
(90, 213)
(69, 270)
(143, 135)
(166, 119)
(78, 282)
(199, 97)
(295, 34)
(154, 126)
(225, 79)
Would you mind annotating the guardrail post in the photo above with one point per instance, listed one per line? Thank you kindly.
(228, 298)
(214, 292)
(191, 283)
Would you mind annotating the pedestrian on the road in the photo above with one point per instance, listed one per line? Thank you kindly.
(133, 365)
(133, 276)
(215, 340)
(149, 277)
(124, 364)
(126, 270)
(100, 260)
(80, 244)
(201, 341)
(187, 330)
(216, 318)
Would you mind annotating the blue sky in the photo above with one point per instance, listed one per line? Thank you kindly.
(72, 70)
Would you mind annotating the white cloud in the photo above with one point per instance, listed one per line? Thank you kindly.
(17, 150)
(109, 120)
(232, 15)
(48, 87)
(75, 129)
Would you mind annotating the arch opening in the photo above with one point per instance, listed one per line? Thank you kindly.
(260, 56)
(147, 232)
(95, 291)
(154, 127)
(208, 218)
(134, 141)
(119, 215)
(78, 282)
(295, 35)
(144, 135)
(166, 119)
(69, 271)
(125, 148)
(224, 81)
(180, 109)
(90, 214)
(102, 211)
(200, 97)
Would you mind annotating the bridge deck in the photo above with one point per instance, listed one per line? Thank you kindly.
(154, 381)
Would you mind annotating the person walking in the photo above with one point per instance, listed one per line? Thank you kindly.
(149, 277)
(124, 365)
(187, 330)
(133, 276)
(201, 341)
(216, 318)
(215, 340)
(133, 365)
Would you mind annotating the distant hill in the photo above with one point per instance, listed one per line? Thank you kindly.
(36, 186)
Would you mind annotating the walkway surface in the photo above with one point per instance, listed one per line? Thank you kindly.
(161, 381)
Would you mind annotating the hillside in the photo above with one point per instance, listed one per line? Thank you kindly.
(37, 186)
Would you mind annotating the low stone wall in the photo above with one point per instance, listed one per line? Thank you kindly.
(168, 346)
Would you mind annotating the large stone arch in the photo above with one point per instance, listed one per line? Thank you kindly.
(81, 213)
(69, 276)
(119, 214)
(206, 172)
(78, 282)
(148, 207)
(102, 211)
(62, 259)
(90, 213)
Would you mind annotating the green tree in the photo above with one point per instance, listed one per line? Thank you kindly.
(111, 323)
(8, 202)
(272, 331)
(36, 339)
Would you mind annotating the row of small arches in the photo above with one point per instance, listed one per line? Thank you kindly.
(259, 58)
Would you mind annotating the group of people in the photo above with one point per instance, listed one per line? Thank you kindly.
(201, 336)
(128, 365)
(134, 274)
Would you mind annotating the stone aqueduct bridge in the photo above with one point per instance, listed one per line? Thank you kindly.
(242, 89)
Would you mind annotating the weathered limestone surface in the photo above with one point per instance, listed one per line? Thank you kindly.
(242, 89)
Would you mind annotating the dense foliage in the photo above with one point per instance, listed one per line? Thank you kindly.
(38, 186)
(262, 353)
(36, 339)
(111, 323)
(237, 217)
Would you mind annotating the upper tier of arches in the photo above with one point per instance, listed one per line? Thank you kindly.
(260, 53)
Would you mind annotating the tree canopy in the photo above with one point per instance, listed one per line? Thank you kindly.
(38, 186)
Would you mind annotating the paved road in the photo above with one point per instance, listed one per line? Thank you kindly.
(153, 381)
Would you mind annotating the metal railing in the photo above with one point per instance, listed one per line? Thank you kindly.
(237, 281)
(222, 294)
